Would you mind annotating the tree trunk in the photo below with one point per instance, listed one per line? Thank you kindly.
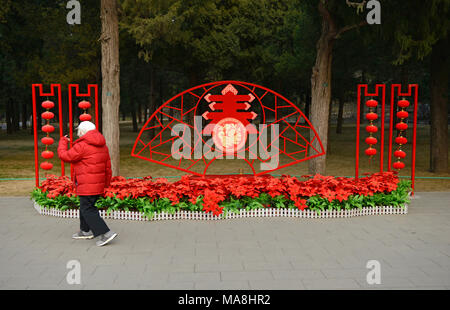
(193, 81)
(15, 115)
(110, 80)
(139, 112)
(340, 114)
(161, 98)
(321, 83)
(151, 103)
(9, 127)
(24, 116)
(134, 119)
(439, 107)
(321, 94)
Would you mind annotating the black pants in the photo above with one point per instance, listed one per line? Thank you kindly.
(90, 218)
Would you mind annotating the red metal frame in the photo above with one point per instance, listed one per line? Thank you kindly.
(200, 93)
(358, 121)
(92, 89)
(41, 93)
(78, 94)
(395, 91)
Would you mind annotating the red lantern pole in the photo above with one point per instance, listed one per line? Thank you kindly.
(96, 103)
(391, 124)
(377, 93)
(61, 131)
(382, 128)
(358, 121)
(90, 88)
(413, 161)
(396, 90)
(70, 127)
(36, 158)
(48, 115)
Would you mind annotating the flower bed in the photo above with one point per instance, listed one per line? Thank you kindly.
(224, 195)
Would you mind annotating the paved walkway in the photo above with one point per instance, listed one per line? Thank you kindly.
(259, 253)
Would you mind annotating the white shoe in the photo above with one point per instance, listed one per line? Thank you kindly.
(83, 235)
(106, 238)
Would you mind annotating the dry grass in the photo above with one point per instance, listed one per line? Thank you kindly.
(17, 161)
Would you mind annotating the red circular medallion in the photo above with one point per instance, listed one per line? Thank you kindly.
(229, 135)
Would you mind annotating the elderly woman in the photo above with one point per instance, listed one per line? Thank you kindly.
(92, 169)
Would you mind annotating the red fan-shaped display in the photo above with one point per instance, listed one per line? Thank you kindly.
(224, 119)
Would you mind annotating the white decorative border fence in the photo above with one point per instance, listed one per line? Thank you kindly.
(189, 215)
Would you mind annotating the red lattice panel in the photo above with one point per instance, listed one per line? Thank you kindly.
(254, 105)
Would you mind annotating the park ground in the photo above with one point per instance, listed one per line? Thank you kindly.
(17, 161)
(412, 250)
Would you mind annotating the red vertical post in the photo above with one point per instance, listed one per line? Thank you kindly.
(61, 132)
(382, 126)
(413, 161)
(36, 158)
(96, 103)
(391, 124)
(69, 90)
(358, 121)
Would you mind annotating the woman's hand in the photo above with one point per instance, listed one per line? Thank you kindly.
(67, 138)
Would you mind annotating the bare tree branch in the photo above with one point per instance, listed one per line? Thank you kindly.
(349, 27)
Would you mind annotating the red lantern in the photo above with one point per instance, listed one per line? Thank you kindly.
(399, 154)
(401, 126)
(399, 165)
(46, 165)
(370, 151)
(48, 115)
(47, 154)
(47, 104)
(371, 140)
(48, 128)
(85, 117)
(371, 116)
(371, 103)
(371, 128)
(403, 103)
(401, 140)
(84, 104)
(47, 140)
(402, 114)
